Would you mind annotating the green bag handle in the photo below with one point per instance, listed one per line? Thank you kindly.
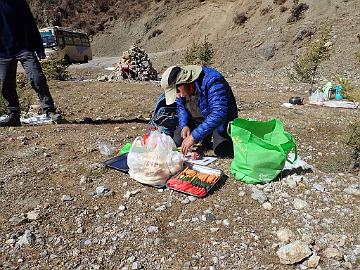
(292, 140)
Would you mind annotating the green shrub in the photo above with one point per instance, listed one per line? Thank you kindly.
(54, 68)
(199, 53)
(306, 65)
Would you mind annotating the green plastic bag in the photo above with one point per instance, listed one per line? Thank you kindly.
(260, 149)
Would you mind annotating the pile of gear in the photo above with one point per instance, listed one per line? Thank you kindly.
(134, 65)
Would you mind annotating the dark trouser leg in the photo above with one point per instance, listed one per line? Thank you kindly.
(37, 79)
(8, 85)
(222, 144)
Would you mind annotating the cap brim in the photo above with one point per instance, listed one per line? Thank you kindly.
(170, 95)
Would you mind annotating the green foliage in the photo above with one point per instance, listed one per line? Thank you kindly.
(54, 68)
(199, 53)
(306, 65)
(348, 90)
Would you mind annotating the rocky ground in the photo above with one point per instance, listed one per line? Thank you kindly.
(61, 209)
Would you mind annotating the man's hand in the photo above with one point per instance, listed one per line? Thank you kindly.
(186, 144)
(185, 132)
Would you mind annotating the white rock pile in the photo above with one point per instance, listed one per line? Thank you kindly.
(135, 64)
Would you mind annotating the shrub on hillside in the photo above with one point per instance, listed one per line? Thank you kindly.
(297, 11)
(199, 53)
(155, 33)
(55, 67)
(240, 18)
(279, 2)
(306, 65)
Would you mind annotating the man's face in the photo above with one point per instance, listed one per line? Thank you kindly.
(185, 90)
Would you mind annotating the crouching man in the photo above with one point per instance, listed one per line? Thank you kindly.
(205, 104)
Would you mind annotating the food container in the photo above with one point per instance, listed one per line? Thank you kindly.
(195, 180)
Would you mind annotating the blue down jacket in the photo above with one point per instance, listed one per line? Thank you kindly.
(216, 102)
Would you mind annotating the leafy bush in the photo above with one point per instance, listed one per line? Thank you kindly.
(199, 53)
(240, 18)
(54, 68)
(307, 64)
(297, 12)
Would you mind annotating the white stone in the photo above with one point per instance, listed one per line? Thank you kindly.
(300, 204)
(26, 238)
(284, 235)
(293, 252)
(267, 206)
(333, 253)
(313, 261)
(33, 215)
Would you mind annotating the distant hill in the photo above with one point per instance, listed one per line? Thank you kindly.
(248, 35)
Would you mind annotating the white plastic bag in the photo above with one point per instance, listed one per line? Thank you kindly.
(154, 161)
(317, 98)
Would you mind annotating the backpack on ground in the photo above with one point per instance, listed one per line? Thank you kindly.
(164, 117)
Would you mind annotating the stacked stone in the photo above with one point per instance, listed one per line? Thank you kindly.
(135, 64)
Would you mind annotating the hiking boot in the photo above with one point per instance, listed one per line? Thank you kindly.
(55, 117)
(10, 120)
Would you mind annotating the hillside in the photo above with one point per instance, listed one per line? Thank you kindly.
(268, 40)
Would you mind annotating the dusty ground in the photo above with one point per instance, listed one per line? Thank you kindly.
(52, 172)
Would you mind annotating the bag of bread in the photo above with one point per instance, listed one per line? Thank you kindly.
(153, 162)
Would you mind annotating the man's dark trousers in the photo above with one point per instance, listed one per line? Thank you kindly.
(35, 75)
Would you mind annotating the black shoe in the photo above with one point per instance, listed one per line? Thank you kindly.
(10, 120)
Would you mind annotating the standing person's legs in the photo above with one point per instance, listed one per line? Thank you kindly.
(8, 84)
(8, 91)
(37, 79)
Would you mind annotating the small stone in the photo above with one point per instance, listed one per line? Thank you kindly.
(284, 235)
(258, 195)
(319, 187)
(26, 239)
(267, 206)
(10, 241)
(333, 253)
(226, 222)
(101, 190)
(214, 229)
(293, 252)
(299, 204)
(66, 198)
(135, 266)
(152, 229)
(122, 207)
(313, 261)
(33, 215)
(353, 190)
(185, 201)
(17, 219)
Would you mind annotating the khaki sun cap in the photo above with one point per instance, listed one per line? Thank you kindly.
(177, 75)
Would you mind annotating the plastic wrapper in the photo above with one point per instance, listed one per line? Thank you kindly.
(154, 161)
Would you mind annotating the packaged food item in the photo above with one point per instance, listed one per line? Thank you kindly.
(195, 180)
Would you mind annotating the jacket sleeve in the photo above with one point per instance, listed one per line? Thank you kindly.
(183, 114)
(34, 34)
(218, 107)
